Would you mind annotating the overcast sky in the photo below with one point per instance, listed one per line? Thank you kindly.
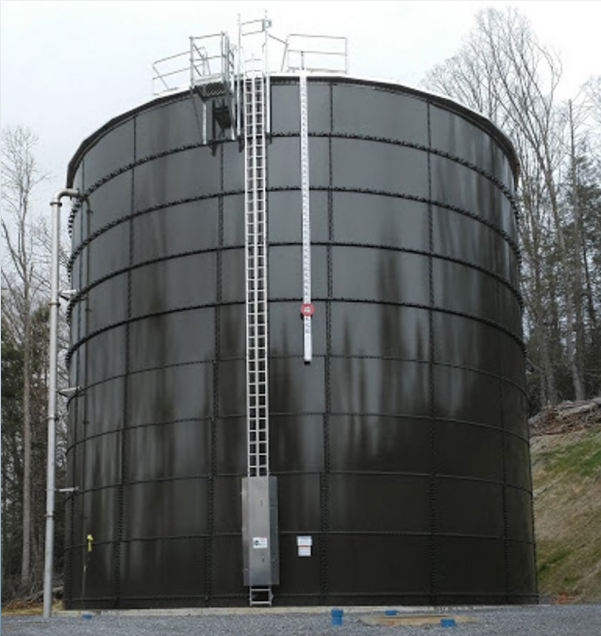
(69, 67)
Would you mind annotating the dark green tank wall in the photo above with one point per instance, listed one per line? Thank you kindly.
(402, 449)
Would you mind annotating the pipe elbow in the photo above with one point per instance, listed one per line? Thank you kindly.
(64, 192)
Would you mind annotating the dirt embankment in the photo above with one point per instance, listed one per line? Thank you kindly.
(566, 471)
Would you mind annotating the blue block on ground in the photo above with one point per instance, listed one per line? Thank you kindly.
(337, 616)
(448, 622)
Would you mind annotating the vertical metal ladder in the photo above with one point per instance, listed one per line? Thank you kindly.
(256, 278)
(257, 384)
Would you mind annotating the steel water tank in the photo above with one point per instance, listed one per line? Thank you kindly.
(401, 450)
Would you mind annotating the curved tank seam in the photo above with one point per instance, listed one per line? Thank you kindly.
(277, 356)
(400, 416)
(217, 250)
(443, 310)
(397, 195)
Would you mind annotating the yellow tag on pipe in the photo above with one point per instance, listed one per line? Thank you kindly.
(90, 538)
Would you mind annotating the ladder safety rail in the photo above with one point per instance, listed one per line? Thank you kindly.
(315, 53)
(200, 61)
(265, 55)
(166, 68)
(209, 58)
(214, 67)
(307, 307)
(249, 46)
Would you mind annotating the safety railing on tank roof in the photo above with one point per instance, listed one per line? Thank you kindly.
(315, 53)
(209, 60)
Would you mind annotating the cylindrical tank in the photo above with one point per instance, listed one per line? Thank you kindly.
(401, 449)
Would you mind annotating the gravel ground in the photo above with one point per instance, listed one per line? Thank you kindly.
(549, 620)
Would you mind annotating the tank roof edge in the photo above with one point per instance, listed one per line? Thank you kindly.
(450, 104)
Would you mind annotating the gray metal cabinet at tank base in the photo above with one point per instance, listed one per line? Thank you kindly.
(401, 450)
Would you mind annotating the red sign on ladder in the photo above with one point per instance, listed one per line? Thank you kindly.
(307, 309)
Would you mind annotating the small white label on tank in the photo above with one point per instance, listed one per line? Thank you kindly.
(304, 550)
(304, 541)
(260, 543)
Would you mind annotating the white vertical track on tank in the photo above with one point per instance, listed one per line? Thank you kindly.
(306, 215)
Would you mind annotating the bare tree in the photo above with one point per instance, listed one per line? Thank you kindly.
(504, 72)
(593, 93)
(534, 236)
(577, 262)
(21, 285)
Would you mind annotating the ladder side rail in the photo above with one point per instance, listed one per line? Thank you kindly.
(252, 179)
(261, 267)
(264, 279)
(266, 75)
(248, 265)
(259, 271)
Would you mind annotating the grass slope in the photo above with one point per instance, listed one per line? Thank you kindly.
(567, 506)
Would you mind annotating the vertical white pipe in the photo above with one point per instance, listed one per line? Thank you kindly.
(52, 389)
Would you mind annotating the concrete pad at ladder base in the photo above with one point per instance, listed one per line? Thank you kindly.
(415, 619)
